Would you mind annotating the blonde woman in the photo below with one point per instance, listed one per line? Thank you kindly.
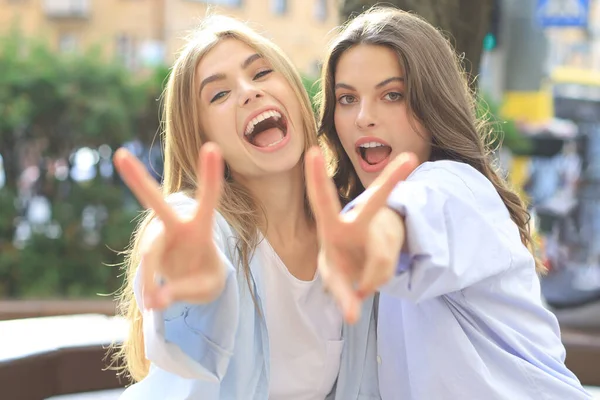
(462, 316)
(228, 304)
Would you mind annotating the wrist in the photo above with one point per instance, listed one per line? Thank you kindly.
(391, 223)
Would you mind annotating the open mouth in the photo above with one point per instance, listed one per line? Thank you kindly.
(266, 129)
(373, 153)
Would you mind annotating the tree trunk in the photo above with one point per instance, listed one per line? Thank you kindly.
(465, 23)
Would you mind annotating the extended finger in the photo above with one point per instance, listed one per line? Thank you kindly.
(143, 186)
(382, 251)
(340, 286)
(322, 193)
(210, 181)
(152, 252)
(378, 192)
(378, 271)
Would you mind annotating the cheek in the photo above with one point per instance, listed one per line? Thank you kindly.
(398, 116)
(343, 123)
(425, 144)
(209, 133)
(284, 93)
(223, 133)
(341, 129)
(222, 120)
(420, 142)
(408, 127)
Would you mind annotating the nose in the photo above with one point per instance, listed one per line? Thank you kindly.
(248, 93)
(366, 116)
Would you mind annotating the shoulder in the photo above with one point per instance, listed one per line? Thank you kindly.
(459, 181)
(453, 176)
(445, 170)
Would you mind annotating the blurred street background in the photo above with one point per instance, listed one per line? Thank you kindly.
(80, 78)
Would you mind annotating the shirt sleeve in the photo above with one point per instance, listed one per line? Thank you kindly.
(194, 341)
(458, 231)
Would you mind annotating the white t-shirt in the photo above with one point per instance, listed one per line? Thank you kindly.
(305, 329)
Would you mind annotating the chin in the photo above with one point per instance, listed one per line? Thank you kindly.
(282, 161)
(366, 181)
(365, 178)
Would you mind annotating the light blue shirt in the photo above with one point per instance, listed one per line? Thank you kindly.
(463, 317)
(220, 351)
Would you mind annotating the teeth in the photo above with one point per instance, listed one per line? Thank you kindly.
(371, 144)
(259, 118)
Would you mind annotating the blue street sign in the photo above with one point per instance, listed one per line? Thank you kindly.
(562, 13)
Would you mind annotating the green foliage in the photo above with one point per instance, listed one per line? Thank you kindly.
(69, 100)
(312, 86)
(503, 132)
(60, 103)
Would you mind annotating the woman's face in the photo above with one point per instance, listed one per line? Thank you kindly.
(249, 110)
(371, 114)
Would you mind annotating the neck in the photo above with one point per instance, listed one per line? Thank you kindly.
(282, 198)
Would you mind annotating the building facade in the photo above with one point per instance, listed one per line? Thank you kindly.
(143, 33)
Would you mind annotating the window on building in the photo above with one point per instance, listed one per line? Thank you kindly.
(151, 53)
(320, 10)
(125, 50)
(315, 68)
(279, 7)
(67, 42)
(67, 8)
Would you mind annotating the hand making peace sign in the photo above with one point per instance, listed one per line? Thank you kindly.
(359, 249)
(182, 253)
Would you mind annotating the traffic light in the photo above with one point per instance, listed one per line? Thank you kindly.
(491, 39)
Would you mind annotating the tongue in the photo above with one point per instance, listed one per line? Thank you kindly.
(267, 137)
(375, 155)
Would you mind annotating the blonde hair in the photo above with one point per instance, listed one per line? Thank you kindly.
(437, 95)
(182, 140)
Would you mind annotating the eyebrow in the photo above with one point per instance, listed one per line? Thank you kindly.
(218, 77)
(378, 86)
(250, 60)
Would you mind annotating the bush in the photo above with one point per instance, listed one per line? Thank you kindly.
(50, 106)
(502, 132)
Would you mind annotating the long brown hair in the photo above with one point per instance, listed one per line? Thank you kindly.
(437, 95)
(182, 140)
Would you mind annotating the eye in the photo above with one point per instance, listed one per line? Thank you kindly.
(262, 74)
(346, 99)
(393, 96)
(219, 96)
